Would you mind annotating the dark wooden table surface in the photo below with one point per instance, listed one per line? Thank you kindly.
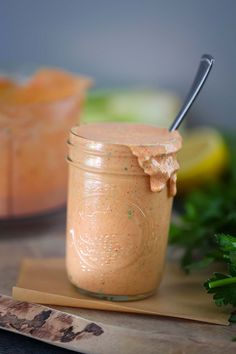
(24, 239)
(46, 238)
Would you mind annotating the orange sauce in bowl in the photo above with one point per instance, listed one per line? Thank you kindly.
(35, 117)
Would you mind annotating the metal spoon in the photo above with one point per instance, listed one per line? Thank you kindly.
(205, 66)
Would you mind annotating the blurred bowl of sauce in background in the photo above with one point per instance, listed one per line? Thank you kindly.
(35, 116)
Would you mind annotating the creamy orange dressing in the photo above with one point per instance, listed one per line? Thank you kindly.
(154, 147)
(117, 228)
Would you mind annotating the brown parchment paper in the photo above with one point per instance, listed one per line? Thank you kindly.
(45, 281)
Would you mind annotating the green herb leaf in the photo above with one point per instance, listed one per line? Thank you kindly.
(223, 287)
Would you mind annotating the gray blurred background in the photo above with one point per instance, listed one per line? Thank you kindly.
(130, 42)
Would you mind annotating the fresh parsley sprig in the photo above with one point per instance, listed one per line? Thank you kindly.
(221, 285)
(207, 211)
(205, 229)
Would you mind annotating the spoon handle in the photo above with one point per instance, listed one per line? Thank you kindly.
(201, 76)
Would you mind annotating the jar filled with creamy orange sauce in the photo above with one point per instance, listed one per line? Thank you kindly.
(121, 185)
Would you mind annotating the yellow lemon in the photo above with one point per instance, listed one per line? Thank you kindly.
(203, 157)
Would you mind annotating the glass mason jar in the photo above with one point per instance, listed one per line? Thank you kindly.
(117, 228)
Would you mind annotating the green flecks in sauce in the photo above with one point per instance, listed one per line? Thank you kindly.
(130, 214)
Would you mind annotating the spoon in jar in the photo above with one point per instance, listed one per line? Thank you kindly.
(204, 69)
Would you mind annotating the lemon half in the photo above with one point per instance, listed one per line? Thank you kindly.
(203, 157)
